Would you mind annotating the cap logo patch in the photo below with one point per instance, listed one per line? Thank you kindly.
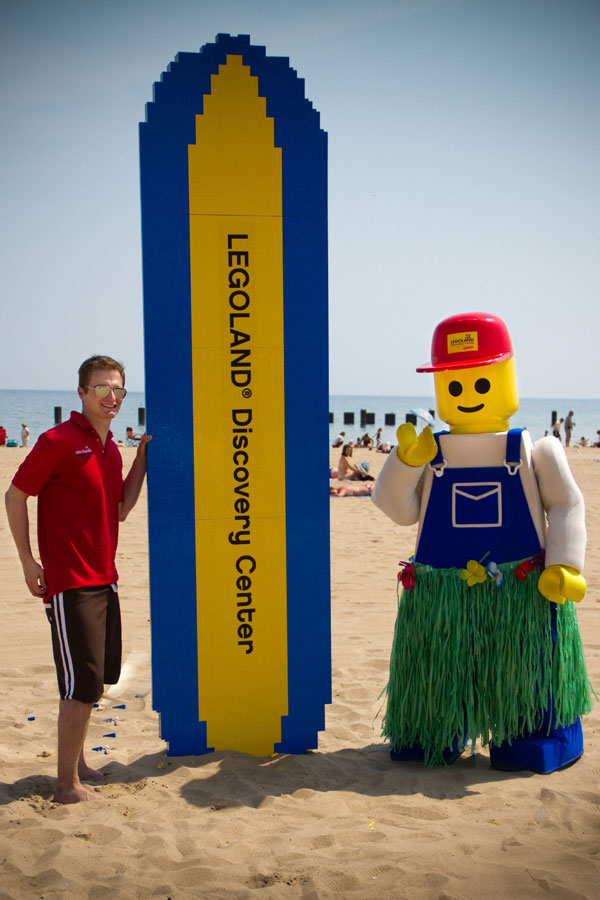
(462, 342)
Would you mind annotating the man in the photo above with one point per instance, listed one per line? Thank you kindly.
(75, 470)
(569, 426)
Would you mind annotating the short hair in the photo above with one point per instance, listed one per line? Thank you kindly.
(99, 362)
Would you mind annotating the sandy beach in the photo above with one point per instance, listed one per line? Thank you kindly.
(341, 821)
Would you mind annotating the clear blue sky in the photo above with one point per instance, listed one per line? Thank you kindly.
(464, 142)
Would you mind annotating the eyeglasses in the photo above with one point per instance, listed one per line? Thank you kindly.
(103, 390)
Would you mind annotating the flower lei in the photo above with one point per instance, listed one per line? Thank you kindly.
(475, 572)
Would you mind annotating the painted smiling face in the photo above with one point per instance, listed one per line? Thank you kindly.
(478, 399)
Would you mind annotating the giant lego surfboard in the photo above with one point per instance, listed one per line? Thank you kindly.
(234, 232)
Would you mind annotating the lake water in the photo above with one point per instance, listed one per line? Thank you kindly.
(36, 408)
(533, 414)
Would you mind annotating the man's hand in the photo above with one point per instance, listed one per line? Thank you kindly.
(145, 439)
(18, 520)
(34, 577)
(413, 449)
(560, 583)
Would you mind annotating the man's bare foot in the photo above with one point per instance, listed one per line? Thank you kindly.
(86, 773)
(74, 794)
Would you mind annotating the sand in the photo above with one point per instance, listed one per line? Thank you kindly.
(341, 821)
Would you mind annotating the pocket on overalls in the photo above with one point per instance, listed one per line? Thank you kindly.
(477, 504)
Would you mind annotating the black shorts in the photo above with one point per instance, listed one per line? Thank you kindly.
(86, 640)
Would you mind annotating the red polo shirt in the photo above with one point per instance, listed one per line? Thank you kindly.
(79, 485)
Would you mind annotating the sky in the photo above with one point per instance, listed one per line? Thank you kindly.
(464, 142)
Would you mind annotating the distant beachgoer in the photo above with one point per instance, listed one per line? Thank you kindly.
(339, 439)
(24, 435)
(347, 471)
(583, 442)
(556, 429)
(378, 439)
(384, 447)
(131, 439)
(569, 425)
(2, 436)
(351, 490)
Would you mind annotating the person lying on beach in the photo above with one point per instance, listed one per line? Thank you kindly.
(351, 490)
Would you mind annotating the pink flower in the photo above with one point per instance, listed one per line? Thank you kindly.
(406, 575)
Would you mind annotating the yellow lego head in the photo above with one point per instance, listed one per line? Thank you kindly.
(478, 399)
(474, 373)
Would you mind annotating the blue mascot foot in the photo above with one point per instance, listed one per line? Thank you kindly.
(541, 752)
(416, 753)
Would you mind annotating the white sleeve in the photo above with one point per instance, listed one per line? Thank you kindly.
(398, 489)
(563, 502)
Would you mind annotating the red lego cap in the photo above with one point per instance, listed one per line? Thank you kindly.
(466, 340)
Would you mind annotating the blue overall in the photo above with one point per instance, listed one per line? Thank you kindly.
(482, 513)
(472, 512)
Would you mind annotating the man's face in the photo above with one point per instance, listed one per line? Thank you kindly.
(101, 409)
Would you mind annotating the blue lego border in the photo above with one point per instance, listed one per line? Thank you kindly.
(164, 140)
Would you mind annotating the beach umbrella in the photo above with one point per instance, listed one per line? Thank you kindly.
(423, 414)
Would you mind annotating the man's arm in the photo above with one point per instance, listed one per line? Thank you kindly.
(135, 479)
(18, 520)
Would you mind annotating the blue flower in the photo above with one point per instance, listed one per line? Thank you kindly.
(495, 573)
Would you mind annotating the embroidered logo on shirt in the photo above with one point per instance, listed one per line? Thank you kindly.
(84, 451)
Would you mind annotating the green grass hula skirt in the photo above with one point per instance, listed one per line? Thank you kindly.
(480, 662)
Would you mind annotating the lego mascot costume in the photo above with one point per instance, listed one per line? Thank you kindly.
(485, 645)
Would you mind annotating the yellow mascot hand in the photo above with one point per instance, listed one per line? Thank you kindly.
(560, 583)
(413, 449)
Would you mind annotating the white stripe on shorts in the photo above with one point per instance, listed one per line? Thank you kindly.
(63, 640)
